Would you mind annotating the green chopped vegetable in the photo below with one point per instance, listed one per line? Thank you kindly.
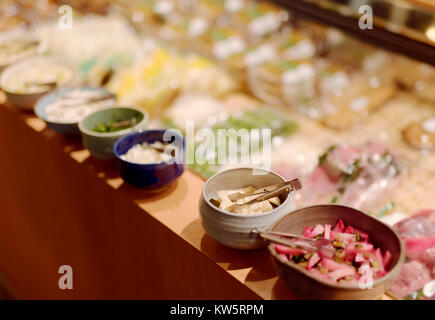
(416, 295)
(322, 158)
(353, 171)
(387, 209)
(251, 119)
(109, 126)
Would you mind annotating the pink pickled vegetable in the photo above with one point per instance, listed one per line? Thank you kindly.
(413, 276)
(327, 234)
(343, 237)
(307, 232)
(356, 247)
(339, 227)
(348, 257)
(415, 247)
(378, 264)
(332, 265)
(326, 252)
(340, 273)
(359, 257)
(387, 258)
(287, 250)
(283, 257)
(360, 176)
(313, 260)
(361, 234)
(418, 232)
(320, 275)
(349, 229)
(318, 230)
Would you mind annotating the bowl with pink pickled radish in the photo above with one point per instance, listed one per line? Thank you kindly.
(360, 259)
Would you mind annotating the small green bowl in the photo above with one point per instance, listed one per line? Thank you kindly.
(100, 144)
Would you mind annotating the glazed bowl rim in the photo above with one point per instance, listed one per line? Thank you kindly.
(116, 134)
(40, 106)
(257, 215)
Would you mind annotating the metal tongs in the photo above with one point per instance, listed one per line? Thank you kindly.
(124, 123)
(264, 193)
(64, 100)
(314, 245)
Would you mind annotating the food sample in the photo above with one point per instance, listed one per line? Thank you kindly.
(280, 124)
(15, 47)
(224, 42)
(416, 279)
(356, 176)
(349, 258)
(260, 18)
(92, 37)
(285, 82)
(75, 105)
(226, 199)
(149, 153)
(362, 96)
(200, 108)
(116, 125)
(421, 135)
(36, 76)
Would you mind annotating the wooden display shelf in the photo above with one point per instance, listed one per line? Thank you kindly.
(60, 206)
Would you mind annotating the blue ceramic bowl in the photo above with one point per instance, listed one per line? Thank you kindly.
(61, 127)
(155, 175)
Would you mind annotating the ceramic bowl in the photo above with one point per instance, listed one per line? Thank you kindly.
(304, 284)
(100, 144)
(27, 101)
(70, 128)
(151, 176)
(20, 34)
(232, 229)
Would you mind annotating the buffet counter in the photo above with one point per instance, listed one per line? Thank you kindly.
(121, 242)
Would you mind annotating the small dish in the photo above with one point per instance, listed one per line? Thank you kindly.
(70, 127)
(233, 229)
(25, 82)
(18, 45)
(305, 284)
(100, 144)
(152, 175)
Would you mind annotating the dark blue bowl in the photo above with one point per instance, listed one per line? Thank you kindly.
(155, 175)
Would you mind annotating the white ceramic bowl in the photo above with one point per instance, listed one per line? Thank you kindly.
(20, 55)
(24, 100)
(232, 229)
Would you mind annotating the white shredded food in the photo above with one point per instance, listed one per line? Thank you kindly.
(144, 153)
(72, 109)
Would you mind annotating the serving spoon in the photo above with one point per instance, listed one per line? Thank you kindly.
(302, 242)
(65, 100)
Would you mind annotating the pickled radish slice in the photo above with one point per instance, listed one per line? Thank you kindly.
(341, 260)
